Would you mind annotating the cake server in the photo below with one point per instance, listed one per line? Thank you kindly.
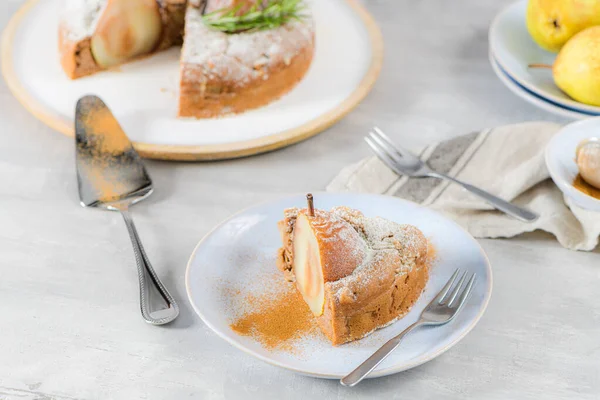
(111, 176)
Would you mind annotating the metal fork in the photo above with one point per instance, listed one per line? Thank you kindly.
(403, 162)
(442, 309)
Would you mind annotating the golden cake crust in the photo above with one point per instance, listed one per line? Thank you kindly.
(379, 291)
(338, 261)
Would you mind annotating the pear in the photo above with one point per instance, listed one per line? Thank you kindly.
(126, 29)
(576, 70)
(325, 250)
(551, 23)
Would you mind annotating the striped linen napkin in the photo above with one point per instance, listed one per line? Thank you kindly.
(507, 161)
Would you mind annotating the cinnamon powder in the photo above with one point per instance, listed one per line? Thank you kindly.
(280, 319)
(100, 124)
(277, 323)
(105, 141)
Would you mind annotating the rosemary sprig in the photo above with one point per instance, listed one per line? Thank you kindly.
(274, 14)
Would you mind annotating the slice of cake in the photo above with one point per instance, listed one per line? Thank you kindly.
(224, 73)
(356, 274)
(98, 34)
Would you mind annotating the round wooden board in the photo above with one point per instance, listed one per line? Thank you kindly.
(200, 152)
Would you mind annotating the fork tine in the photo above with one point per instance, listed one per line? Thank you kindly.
(383, 156)
(390, 150)
(450, 298)
(385, 137)
(464, 295)
(446, 288)
(386, 142)
(399, 149)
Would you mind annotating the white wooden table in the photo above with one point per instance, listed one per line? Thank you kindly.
(69, 321)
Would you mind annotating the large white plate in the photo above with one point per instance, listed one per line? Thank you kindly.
(143, 94)
(514, 49)
(560, 159)
(531, 97)
(240, 251)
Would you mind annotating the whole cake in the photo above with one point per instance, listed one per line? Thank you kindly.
(356, 274)
(223, 70)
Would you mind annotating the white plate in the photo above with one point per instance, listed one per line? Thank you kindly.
(240, 251)
(514, 49)
(144, 94)
(560, 159)
(532, 98)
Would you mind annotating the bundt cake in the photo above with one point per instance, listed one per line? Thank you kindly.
(221, 72)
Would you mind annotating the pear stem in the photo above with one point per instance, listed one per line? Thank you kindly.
(311, 205)
(540, 66)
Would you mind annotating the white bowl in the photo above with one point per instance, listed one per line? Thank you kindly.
(560, 159)
(514, 49)
(532, 98)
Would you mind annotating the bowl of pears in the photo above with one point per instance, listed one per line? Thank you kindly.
(573, 160)
(570, 28)
(552, 49)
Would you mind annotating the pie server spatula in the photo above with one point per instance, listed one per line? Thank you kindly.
(111, 176)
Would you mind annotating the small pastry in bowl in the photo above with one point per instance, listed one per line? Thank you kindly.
(356, 274)
(588, 161)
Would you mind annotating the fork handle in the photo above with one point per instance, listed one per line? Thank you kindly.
(364, 369)
(145, 271)
(517, 212)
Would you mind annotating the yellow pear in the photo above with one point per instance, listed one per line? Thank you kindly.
(125, 30)
(318, 258)
(577, 68)
(552, 23)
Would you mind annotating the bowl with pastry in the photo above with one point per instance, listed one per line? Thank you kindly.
(573, 160)
(318, 287)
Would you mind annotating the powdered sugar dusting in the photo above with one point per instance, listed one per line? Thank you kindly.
(381, 234)
(80, 17)
(244, 56)
(384, 239)
(228, 57)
